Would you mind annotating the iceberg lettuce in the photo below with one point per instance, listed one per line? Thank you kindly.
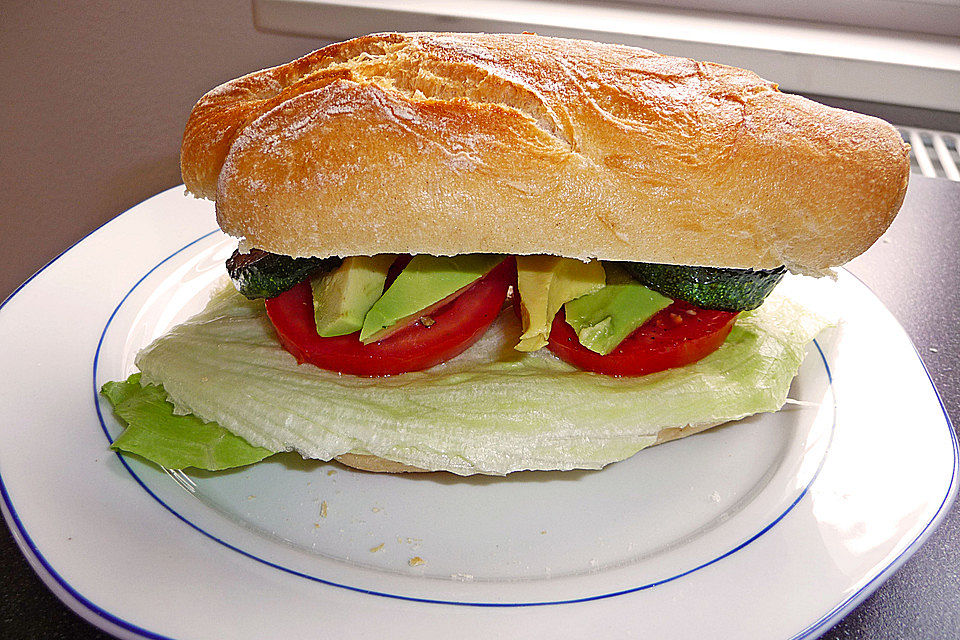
(173, 441)
(490, 410)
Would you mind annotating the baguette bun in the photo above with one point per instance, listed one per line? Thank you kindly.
(376, 464)
(521, 144)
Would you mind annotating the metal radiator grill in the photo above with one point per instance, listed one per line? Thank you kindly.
(935, 154)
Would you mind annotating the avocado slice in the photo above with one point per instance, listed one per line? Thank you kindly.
(604, 318)
(342, 298)
(709, 287)
(544, 284)
(420, 288)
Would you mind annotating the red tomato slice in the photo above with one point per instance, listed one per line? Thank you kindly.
(676, 336)
(455, 327)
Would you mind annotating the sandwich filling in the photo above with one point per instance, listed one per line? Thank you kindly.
(234, 384)
(387, 315)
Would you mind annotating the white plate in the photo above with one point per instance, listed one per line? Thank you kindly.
(774, 527)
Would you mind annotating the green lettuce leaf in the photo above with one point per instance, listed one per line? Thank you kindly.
(490, 410)
(154, 432)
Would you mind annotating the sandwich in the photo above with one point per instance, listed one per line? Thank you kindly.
(484, 253)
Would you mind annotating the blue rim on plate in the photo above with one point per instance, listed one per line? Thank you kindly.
(82, 605)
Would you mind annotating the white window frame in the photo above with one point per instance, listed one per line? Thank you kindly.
(939, 17)
(901, 68)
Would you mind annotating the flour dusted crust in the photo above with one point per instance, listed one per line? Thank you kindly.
(376, 464)
(456, 143)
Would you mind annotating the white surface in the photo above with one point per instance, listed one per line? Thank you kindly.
(721, 519)
(924, 16)
(864, 64)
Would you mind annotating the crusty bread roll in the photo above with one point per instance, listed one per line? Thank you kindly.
(377, 464)
(521, 144)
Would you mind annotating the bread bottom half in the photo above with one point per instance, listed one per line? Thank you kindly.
(376, 464)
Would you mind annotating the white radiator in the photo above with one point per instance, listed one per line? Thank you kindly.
(935, 154)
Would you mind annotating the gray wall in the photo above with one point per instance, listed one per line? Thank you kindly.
(95, 96)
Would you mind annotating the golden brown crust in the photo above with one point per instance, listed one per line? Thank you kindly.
(458, 143)
(376, 464)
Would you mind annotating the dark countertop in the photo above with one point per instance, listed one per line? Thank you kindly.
(914, 270)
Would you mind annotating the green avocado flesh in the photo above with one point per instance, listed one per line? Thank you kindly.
(603, 319)
(708, 287)
(490, 410)
(342, 298)
(259, 274)
(424, 282)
